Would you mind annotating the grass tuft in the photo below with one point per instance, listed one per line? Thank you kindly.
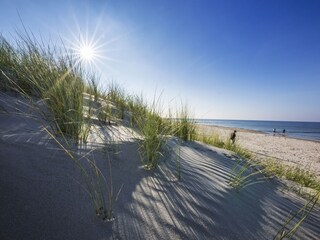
(184, 127)
(37, 71)
(244, 174)
(292, 223)
(154, 138)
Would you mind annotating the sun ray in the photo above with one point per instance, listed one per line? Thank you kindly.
(93, 46)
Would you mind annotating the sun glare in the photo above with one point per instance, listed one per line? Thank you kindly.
(89, 47)
(86, 53)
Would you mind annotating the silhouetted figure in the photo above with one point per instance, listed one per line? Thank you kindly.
(274, 131)
(233, 136)
(283, 132)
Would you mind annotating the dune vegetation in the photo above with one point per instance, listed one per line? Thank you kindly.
(54, 84)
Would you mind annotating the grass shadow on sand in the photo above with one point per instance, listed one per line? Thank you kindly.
(41, 200)
(203, 206)
(43, 196)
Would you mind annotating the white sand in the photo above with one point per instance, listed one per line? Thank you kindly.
(295, 152)
(41, 200)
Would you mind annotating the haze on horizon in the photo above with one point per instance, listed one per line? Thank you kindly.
(253, 60)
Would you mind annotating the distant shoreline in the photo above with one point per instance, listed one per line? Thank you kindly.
(278, 134)
(232, 128)
(290, 151)
(308, 131)
(249, 120)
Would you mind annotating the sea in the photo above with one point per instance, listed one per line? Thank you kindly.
(300, 130)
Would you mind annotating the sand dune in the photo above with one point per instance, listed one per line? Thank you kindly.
(41, 197)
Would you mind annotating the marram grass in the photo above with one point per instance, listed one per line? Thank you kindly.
(53, 86)
(58, 81)
(151, 127)
(34, 70)
(293, 222)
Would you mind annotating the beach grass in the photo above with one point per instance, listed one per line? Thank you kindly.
(151, 126)
(52, 86)
(244, 174)
(58, 80)
(293, 222)
(117, 95)
(96, 183)
(305, 178)
(214, 140)
(42, 76)
(138, 109)
(7, 63)
(184, 127)
(217, 141)
(93, 87)
(40, 71)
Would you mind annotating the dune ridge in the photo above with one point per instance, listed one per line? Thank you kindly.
(43, 197)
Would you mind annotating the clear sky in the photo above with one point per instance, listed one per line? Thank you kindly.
(256, 59)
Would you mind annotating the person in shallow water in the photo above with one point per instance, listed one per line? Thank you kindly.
(233, 136)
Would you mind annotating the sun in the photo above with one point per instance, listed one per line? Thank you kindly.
(90, 48)
(86, 53)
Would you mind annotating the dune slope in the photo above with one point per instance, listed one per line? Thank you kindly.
(42, 196)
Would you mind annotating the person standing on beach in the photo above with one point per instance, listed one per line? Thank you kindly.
(274, 131)
(233, 136)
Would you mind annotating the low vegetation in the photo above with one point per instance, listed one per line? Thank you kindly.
(244, 174)
(152, 128)
(184, 127)
(57, 80)
(268, 167)
(54, 86)
(37, 71)
(217, 141)
(294, 221)
(304, 177)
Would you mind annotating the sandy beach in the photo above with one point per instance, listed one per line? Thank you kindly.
(42, 194)
(105, 113)
(294, 152)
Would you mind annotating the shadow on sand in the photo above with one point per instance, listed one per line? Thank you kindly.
(41, 197)
(202, 205)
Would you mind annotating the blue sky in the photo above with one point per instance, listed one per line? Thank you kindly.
(256, 60)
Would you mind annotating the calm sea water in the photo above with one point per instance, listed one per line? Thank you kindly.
(302, 130)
